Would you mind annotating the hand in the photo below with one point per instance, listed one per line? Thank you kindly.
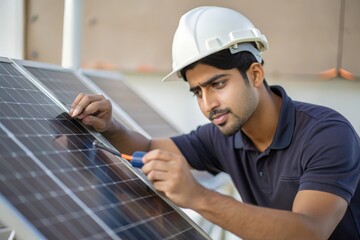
(170, 173)
(93, 110)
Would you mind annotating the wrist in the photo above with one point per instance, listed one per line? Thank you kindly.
(111, 130)
(202, 198)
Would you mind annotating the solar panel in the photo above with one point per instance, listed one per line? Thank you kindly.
(66, 84)
(55, 185)
(151, 121)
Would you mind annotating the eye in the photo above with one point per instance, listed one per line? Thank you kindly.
(197, 93)
(218, 84)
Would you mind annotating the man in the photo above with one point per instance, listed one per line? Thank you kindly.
(296, 165)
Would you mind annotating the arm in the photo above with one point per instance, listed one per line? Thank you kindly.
(120, 137)
(96, 111)
(314, 215)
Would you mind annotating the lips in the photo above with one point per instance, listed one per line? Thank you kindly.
(220, 118)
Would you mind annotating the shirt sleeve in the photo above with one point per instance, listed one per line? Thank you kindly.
(331, 159)
(199, 149)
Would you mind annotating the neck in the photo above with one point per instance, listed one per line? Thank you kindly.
(261, 127)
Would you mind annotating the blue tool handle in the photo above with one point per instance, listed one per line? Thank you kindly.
(136, 159)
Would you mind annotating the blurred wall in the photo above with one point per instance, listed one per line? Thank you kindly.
(43, 30)
(136, 35)
(12, 28)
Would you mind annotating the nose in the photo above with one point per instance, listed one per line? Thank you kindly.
(208, 102)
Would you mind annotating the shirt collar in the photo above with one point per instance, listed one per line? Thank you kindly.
(284, 130)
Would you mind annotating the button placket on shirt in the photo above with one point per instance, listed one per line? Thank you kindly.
(261, 171)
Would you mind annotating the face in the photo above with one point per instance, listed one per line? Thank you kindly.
(223, 96)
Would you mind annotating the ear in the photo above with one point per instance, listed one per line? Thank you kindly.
(256, 74)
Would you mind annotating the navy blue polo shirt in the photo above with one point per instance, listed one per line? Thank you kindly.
(314, 148)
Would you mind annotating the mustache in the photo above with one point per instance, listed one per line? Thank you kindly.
(215, 112)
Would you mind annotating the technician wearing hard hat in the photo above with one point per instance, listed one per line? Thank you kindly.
(296, 165)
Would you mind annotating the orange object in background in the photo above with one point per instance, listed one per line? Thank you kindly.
(333, 72)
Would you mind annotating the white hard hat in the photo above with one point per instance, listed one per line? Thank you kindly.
(206, 30)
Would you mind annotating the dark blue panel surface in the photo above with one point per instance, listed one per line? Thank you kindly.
(64, 187)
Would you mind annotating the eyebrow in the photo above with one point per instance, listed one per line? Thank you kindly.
(208, 82)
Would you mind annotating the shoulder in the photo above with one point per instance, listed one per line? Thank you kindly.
(312, 117)
(323, 132)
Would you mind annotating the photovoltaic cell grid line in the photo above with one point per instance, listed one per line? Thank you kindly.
(65, 85)
(152, 122)
(66, 189)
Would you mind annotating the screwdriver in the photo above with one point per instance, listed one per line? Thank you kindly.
(134, 159)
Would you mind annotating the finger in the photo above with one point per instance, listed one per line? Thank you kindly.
(154, 176)
(95, 108)
(155, 165)
(160, 186)
(158, 155)
(77, 99)
(97, 123)
(82, 101)
(167, 187)
(76, 102)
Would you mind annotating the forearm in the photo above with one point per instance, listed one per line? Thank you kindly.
(125, 140)
(128, 141)
(252, 222)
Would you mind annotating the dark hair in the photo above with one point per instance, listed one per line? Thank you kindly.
(225, 60)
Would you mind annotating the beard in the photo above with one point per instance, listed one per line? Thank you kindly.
(235, 122)
(234, 126)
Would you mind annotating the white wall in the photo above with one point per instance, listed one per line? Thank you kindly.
(11, 28)
(174, 101)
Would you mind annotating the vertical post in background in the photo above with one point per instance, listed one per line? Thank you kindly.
(341, 35)
(339, 71)
(71, 46)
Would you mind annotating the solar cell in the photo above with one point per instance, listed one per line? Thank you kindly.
(55, 185)
(62, 83)
(66, 84)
